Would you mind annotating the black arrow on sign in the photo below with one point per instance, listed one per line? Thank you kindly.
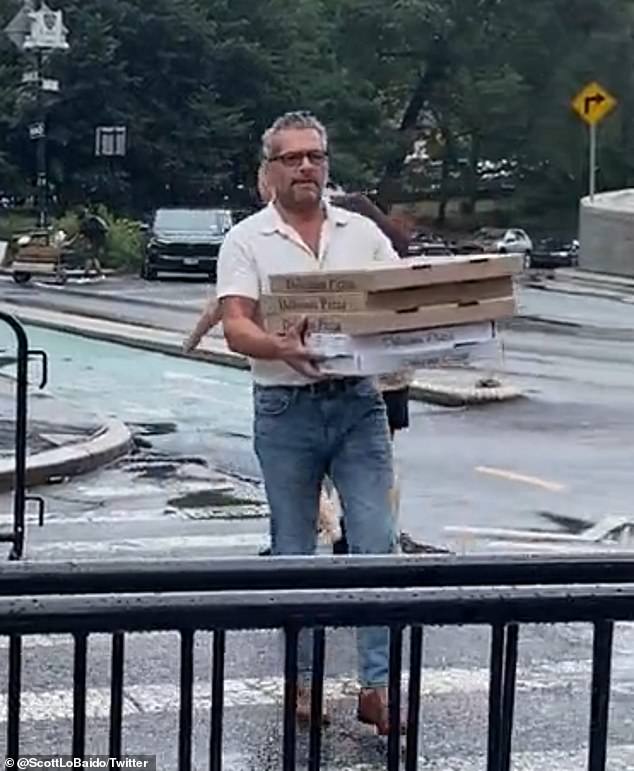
(590, 100)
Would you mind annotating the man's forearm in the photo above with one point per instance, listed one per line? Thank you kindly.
(207, 321)
(202, 327)
(246, 337)
(214, 314)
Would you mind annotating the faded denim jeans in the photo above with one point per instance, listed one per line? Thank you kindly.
(301, 436)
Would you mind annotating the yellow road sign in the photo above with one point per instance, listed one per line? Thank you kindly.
(593, 103)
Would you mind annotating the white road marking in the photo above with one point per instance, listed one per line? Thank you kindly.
(132, 638)
(620, 758)
(53, 518)
(158, 698)
(160, 543)
(513, 476)
(576, 634)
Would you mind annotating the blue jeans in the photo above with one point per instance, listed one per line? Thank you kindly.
(300, 437)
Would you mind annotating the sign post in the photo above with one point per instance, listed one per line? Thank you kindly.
(593, 104)
(39, 30)
(593, 160)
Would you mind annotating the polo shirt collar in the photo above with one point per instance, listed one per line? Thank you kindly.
(273, 222)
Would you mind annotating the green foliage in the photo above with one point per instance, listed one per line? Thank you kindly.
(124, 247)
(197, 81)
(14, 222)
(68, 222)
(124, 244)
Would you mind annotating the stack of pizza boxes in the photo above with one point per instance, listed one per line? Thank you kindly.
(383, 319)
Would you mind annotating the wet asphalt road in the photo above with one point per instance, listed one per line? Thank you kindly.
(564, 451)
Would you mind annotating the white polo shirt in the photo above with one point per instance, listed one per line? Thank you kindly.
(263, 245)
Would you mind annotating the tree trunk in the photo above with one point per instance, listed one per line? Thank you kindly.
(434, 72)
(441, 218)
(394, 165)
(473, 176)
(447, 164)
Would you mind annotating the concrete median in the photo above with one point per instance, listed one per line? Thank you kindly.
(62, 441)
(451, 387)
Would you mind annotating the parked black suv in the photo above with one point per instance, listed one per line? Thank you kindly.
(185, 241)
(555, 253)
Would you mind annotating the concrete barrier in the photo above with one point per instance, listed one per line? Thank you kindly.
(606, 233)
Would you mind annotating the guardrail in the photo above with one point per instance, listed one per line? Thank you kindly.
(23, 353)
(404, 594)
(268, 574)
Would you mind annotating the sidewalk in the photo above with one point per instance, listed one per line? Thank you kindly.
(574, 281)
(61, 440)
(593, 278)
(460, 387)
(451, 387)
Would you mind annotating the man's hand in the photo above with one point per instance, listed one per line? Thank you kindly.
(244, 334)
(294, 353)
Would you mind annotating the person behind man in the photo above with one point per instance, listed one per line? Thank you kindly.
(212, 313)
(394, 387)
(306, 425)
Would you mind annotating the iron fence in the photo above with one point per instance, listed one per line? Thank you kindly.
(23, 353)
(405, 594)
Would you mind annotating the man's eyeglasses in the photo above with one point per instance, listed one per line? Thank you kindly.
(294, 160)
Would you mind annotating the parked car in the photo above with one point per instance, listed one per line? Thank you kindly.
(184, 240)
(428, 245)
(422, 249)
(515, 241)
(468, 247)
(554, 253)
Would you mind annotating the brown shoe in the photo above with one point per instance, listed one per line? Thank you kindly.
(373, 710)
(303, 707)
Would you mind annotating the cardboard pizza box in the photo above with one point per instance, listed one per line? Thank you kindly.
(406, 273)
(388, 362)
(278, 304)
(413, 341)
(373, 322)
(330, 302)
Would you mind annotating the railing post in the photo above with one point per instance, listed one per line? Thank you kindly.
(496, 686)
(21, 399)
(413, 700)
(600, 704)
(508, 695)
(19, 493)
(290, 699)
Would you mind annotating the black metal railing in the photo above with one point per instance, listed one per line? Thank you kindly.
(23, 353)
(173, 575)
(404, 594)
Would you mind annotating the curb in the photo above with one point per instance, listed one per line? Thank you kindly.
(112, 441)
(609, 281)
(225, 358)
(455, 396)
(195, 306)
(582, 291)
(215, 352)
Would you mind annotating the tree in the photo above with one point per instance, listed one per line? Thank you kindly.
(13, 149)
(197, 81)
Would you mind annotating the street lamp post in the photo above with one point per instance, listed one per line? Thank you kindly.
(40, 143)
(39, 30)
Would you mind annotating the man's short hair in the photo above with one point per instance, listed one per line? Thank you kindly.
(292, 120)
